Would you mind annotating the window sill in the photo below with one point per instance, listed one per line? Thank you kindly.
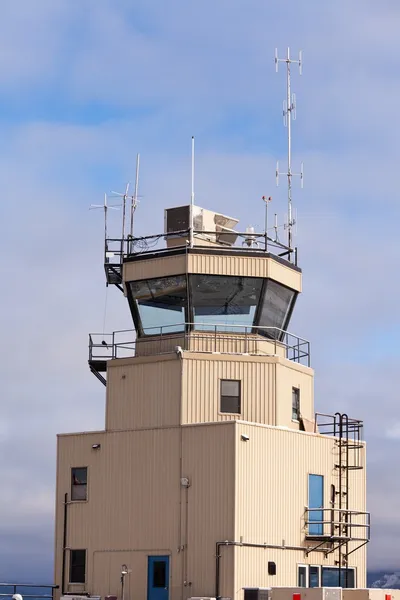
(226, 414)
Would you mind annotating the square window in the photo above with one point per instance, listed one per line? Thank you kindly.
(77, 566)
(295, 404)
(230, 396)
(79, 483)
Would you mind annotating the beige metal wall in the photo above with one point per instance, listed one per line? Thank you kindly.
(143, 392)
(266, 388)
(213, 264)
(166, 391)
(271, 492)
(136, 507)
(250, 266)
(290, 375)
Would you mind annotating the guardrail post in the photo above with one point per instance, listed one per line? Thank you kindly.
(215, 338)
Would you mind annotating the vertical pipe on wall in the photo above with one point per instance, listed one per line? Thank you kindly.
(64, 553)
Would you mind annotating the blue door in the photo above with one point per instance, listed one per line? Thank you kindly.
(158, 578)
(315, 502)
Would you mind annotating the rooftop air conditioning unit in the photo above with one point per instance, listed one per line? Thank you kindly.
(217, 228)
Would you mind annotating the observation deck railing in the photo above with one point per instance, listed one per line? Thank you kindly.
(199, 337)
(336, 524)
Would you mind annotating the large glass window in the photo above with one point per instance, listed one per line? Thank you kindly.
(276, 307)
(334, 577)
(161, 303)
(315, 502)
(224, 300)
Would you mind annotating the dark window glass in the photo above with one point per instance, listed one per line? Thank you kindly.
(295, 404)
(302, 576)
(313, 577)
(276, 307)
(79, 483)
(331, 577)
(161, 303)
(77, 566)
(230, 396)
(159, 574)
(315, 502)
(229, 302)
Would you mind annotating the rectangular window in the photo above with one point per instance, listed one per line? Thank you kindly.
(159, 574)
(315, 503)
(334, 577)
(302, 576)
(230, 396)
(313, 578)
(79, 483)
(77, 566)
(295, 404)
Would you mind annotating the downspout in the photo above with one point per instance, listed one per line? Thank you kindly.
(64, 552)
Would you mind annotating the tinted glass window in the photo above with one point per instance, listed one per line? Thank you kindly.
(276, 307)
(230, 396)
(302, 577)
(225, 301)
(337, 578)
(161, 303)
(77, 569)
(159, 574)
(79, 483)
(314, 577)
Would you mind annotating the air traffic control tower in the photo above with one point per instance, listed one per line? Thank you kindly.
(213, 474)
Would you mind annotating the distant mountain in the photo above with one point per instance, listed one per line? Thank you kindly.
(382, 579)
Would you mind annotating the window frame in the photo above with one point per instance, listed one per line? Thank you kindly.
(302, 566)
(71, 566)
(295, 389)
(319, 567)
(79, 485)
(224, 412)
(321, 525)
(331, 568)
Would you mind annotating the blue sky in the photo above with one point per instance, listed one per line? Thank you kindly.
(84, 86)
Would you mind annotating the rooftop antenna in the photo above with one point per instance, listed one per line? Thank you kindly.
(105, 208)
(289, 113)
(134, 202)
(192, 197)
(124, 197)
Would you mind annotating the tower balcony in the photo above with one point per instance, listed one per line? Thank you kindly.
(217, 338)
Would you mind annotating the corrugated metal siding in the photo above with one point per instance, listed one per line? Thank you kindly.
(271, 493)
(155, 267)
(209, 460)
(218, 264)
(287, 377)
(201, 389)
(143, 394)
(136, 506)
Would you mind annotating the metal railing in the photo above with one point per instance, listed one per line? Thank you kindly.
(337, 524)
(339, 425)
(117, 248)
(200, 337)
(28, 590)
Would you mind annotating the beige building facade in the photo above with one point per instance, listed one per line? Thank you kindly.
(213, 473)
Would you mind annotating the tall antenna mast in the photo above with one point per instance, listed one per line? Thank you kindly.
(289, 113)
(192, 197)
(134, 199)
